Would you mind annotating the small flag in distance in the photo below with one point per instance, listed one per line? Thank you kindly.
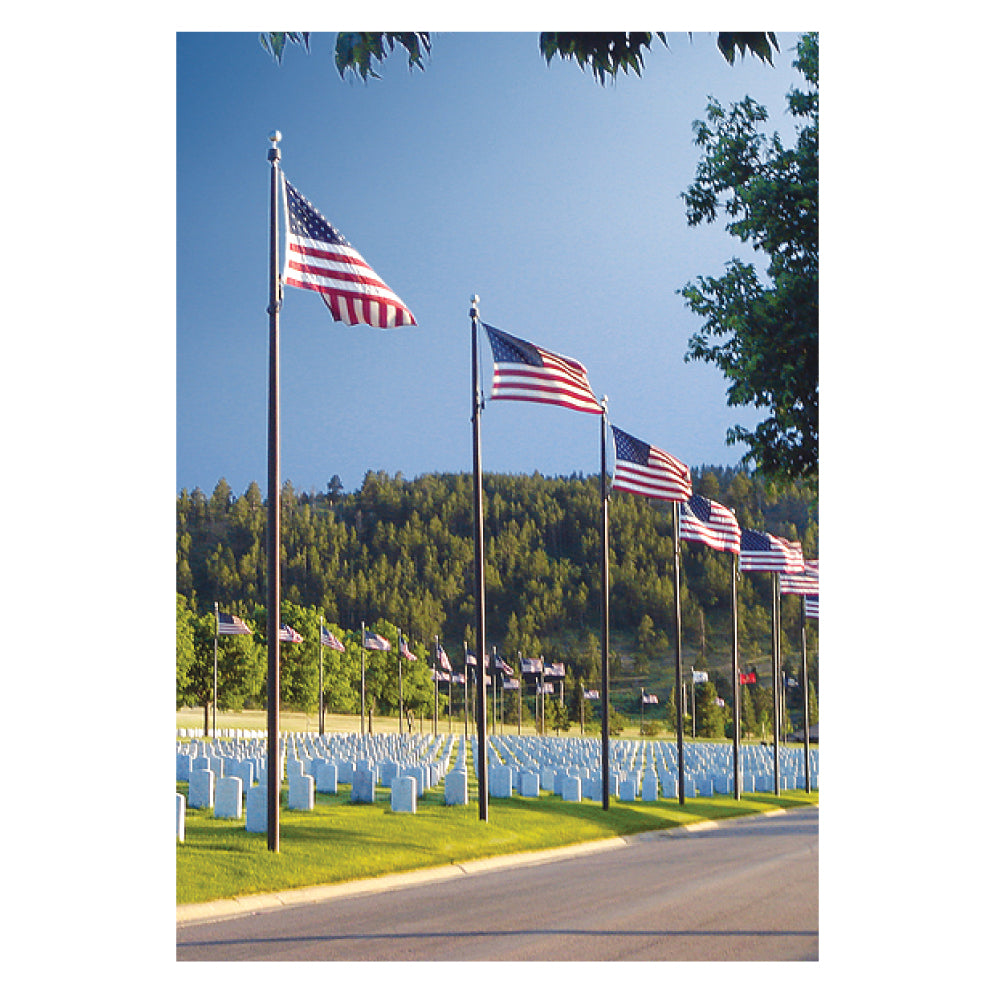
(287, 634)
(327, 638)
(372, 640)
(231, 625)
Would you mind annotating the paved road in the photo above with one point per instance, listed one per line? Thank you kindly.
(745, 890)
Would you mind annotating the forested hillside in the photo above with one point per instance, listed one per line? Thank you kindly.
(399, 553)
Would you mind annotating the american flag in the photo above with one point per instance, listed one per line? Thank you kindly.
(648, 471)
(765, 553)
(231, 625)
(405, 650)
(704, 520)
(650, 699)
(318, 257)
(511, 684)
(442, 658)
(525, 372)
(287, 634)
(806, 582)
(329, 639)
(531, 665)
(372, 640)
(812, 606)
(500, 667)
(592, 695)
(554, 670)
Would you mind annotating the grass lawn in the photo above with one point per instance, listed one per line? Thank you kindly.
(340, 841)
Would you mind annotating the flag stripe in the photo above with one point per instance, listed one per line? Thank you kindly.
(648, 471)
(526, 373)
(329, 639)
(353, 293)
(287, 634)
(766, 553)
(806, 582)
(231, 625)
(704, 520)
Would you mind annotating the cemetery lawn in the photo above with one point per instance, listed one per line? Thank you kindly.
(340, 841)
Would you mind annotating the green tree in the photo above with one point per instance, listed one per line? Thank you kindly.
(242, 668)
(604, 53)
(764, 338)
(813, 705)
(711, 718)
(560, 721)
(748, 717)
(185, 651)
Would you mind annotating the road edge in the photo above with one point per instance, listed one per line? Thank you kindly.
(222, 909)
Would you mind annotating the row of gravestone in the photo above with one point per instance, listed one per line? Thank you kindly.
(638, 766)
(221, 774)
(527, 765)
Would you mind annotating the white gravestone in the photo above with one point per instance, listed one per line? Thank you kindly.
(201, 788)
(301, 791)
(326, 778)
(257, 809)
(570, 789)
(363, 786)
(404, 795)
(456, 788)
(228, 798)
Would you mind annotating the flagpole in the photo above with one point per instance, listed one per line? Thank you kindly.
(496, 678)
(273, 514)
(465, 688)
(215, 670)
(736, 694)
(437, 671)
(774, 672)
(362, 679)
(805, 697)
(605, 587)
(321, 620)
(678, 683)
(477, 491)
(399, 665)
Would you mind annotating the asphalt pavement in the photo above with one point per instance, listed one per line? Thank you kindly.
(738, 890)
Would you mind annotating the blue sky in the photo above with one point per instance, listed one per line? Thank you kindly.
(554, 199)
